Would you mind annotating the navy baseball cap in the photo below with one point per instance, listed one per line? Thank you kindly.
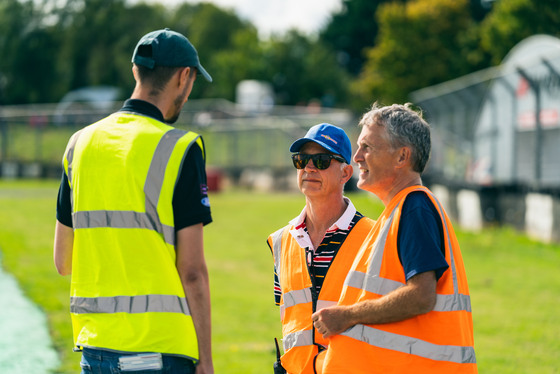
(329, 137)
(167, 48)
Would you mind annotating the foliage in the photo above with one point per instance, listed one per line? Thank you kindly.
(369, 50)
(97, 49)
(229, 52)
(513, 20)
(418, 46)
(303, 71)
(28, 50)
(77, 43)
(354, 28)
(351, 30)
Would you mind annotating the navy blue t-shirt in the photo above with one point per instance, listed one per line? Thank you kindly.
(190, 199)
(420, 238)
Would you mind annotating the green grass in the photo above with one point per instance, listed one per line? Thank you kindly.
(513, 281)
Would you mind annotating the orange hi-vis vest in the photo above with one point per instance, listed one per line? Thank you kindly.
(301, 341)
(440, 341)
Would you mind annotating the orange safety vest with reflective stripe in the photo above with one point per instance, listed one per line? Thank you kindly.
(440, 341)
(301, 340)
(126, 293)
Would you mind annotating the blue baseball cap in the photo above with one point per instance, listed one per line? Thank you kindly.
(167, 48)
(329, 137)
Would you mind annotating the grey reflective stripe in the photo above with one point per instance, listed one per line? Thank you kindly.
(371, 283)
(452, 303)
(298, 339)
(122, 219)
(321, 304)
(130, 304)
(152, 190)
(70, 152)
(448, 238)
(277, 247)
(379, 246)
(70, 159)
(456, 301)
(297, 297)
(410, 345)
(155, 176)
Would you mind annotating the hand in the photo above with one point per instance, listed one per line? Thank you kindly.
(332, 321)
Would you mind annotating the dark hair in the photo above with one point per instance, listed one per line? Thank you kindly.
(405, 127)
(157, 77)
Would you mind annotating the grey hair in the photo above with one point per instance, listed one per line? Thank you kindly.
(405, 127)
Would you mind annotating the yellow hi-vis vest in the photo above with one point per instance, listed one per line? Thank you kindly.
(126, 293)
(440, 341)
(301, 340)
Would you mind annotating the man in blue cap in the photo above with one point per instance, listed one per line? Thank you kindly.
(314, 252)
(131, 209)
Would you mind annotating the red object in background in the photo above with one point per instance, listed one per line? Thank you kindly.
(214, 180)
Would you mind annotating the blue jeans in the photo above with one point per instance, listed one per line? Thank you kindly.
(97, 361)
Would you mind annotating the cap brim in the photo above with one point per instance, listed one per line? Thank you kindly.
(296, 146)
(204, 73)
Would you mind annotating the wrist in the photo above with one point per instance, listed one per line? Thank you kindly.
(349, 315)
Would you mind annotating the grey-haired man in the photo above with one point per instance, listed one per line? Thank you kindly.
(314, 252)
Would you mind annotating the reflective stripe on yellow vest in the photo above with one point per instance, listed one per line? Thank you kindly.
(300, 340)
(126, 294)
(440, 341)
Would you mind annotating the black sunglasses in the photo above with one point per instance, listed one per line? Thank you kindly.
(321, 161)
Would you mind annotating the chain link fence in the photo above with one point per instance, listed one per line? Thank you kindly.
(33, 137)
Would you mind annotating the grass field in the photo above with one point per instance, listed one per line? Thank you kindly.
(513, 280)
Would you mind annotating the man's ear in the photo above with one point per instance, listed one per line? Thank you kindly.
(347, 172)
(404, 157)
(184, 74)
(135, 73)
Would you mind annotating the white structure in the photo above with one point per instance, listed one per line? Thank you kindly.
(254, 96)
(513, 144)
(497, 133)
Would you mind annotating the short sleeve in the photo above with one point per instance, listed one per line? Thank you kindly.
(63, 202)
(420, 237)
(191, 204)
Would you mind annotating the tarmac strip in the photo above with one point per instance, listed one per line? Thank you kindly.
(25, 344)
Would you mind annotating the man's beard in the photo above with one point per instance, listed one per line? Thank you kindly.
(178, 105)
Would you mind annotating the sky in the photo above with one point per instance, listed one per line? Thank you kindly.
(278, 16)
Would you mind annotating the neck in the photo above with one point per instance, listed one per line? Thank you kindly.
(405, 182)
(322, 214)
(147, 94)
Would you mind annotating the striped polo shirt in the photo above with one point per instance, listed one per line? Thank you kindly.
(319, 259)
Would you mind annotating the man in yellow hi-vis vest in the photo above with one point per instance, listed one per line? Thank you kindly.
(405, 306)
(130, 214)
(314, 252)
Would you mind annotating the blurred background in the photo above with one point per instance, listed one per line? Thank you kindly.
(485, 74)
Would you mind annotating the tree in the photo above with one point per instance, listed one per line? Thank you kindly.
(228, 47)
(513, 20)
(303, 70)
(351, 30)
(28, 48)
(419, 45)
(243, 59)
(100, 38)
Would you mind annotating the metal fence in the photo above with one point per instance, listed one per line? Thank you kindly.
(33, 137)
(500, 126)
